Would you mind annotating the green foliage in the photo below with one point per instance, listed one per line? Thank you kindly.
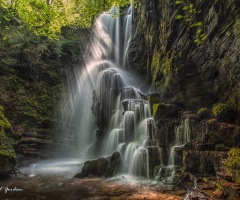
(190, 18)
(223, 112)
(178, 2)
(179, 17)
(47, 17)
(7, 153)
(233, 160)
(5, 126)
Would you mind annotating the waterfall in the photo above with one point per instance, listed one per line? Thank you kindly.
(127, 34)
(168, 174)
(103, 111)
(78, 108)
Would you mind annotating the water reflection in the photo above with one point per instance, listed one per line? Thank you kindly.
(56, 167)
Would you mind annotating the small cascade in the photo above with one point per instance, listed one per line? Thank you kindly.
(140, 163)
(187, 131)
(129, 126)
(183, 133)
(127, 34)
(152, 145)
(168, 174)
(132, 145)
(115, 138)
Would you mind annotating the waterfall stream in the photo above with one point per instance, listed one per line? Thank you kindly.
(104, 110)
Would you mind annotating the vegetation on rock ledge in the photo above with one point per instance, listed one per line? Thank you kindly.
(7, 153)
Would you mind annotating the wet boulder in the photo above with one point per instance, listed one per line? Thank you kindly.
(102, 167)
(94, 168)
(114, 164)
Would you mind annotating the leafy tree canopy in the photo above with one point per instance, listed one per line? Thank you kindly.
(48, 16)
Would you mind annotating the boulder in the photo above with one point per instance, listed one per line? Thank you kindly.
(114, 164)
(162, 110)
(94, 168)
(102, 167)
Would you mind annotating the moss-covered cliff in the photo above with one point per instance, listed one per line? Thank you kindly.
(33, 71)
(7, 153)
(193, 61)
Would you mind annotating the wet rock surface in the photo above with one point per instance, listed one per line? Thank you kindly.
(102, 167)
(164, 50)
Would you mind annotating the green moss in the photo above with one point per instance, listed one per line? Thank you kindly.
(7, 153)
(155, 65)
(155, 107)
(223, 112)
(203, 113)
(162, 110)
(233, 164)
(233, 160)
(5, 126)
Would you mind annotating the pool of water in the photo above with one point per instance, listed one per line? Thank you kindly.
(53, 179)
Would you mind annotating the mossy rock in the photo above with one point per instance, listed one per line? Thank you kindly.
(5, 126)
(114, 164)
(7, 156)
(223, 112)
(94, 168)
(7, 153)
(102, 167)
(233, 164)
(233, 160)
(222, 134)
(154, 99)
(161, 111)
(203, 113)
(7, 159)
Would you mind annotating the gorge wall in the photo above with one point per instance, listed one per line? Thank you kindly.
(188, 51)
(192, 61)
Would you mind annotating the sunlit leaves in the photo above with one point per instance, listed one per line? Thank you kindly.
(179, 17)
(47, 17)
(178, 2)
(190, 17)
(198, 24)
(196, 40)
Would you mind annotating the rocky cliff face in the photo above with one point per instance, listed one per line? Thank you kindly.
(193, 61)
(33, 71)
(189, 51)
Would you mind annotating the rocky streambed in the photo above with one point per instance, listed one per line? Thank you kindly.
(53, 180)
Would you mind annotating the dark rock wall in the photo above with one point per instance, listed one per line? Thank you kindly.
(189, 73)
(31, 85)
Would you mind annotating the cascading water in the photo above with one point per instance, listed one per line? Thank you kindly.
(127, 34)
(93, 109)
(182, 137)
(105, 113)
